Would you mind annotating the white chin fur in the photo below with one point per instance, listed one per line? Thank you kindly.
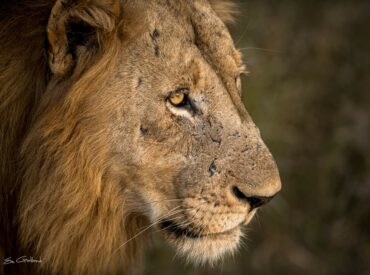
(208, 250)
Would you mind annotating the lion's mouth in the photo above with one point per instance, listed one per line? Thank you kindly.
(181, 232)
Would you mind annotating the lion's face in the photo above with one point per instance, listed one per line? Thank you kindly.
(140, 122)
(191, 159)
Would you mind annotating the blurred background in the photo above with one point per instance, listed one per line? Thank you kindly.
(309, 93)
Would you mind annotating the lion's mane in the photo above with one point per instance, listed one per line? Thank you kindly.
(78, 221)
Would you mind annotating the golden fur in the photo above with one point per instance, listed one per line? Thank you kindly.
(66, 196)
(226, 10)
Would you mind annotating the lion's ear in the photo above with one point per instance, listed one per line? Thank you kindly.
(75, 27)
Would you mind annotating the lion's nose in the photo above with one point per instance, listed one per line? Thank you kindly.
(254, 201)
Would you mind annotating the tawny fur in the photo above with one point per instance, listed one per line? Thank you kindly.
(226, 10)
(61, 198)
(96, 218)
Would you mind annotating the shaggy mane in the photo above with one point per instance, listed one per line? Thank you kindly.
(33, 156)
(225, 9)
(23, 76)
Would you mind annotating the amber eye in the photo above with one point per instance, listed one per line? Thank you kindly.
(179, 97)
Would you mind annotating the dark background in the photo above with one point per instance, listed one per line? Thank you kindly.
(309, 92)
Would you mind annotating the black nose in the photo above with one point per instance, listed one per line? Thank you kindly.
(254, 201)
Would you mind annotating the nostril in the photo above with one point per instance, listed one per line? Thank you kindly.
(239, 194)
(254, 201)
(258, 201)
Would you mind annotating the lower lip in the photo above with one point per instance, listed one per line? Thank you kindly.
(224, 233)
(183, 233)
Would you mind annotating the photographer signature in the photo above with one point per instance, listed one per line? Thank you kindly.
(21, 260)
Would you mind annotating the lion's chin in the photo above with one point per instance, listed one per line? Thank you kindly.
(205, 248)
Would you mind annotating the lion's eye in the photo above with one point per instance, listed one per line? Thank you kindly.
(179, 98)
(181, 103)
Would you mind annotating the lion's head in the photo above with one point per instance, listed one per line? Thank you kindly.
(139, 125)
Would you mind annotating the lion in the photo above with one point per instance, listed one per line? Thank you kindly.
(118, 118)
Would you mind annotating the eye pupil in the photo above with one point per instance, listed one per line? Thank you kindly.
(177, 98)
(181, 100)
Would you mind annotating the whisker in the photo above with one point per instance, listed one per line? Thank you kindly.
(163, 229)
(185, 223)
(192, 218)
(143, 206)
(258, 219)
(189, 208)
(170, 213)
(146, 228)
(166, 200)
(243, 33)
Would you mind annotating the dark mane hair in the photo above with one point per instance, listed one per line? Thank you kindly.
(24, 85)
(23, 78)
(28, 148)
